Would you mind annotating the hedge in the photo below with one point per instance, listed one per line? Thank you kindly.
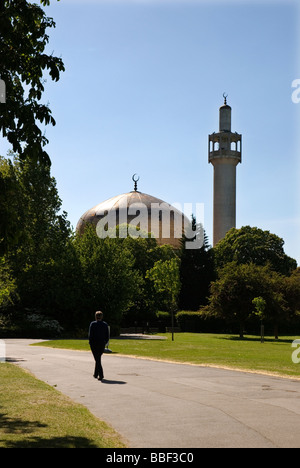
(199, 322)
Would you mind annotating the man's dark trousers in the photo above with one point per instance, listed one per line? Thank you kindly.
(97, 350)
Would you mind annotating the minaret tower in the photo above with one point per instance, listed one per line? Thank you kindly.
(224, 152)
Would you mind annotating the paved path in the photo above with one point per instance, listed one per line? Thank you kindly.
(163, 405)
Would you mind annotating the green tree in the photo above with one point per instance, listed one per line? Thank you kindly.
(166, 279)
(146, 252)
(260, 306)
(196, 273)
(8, 290)
(253, 245)
(237, 285)
(291, 290)
(110, 281)
(23, 64)
(165, 276)
(10, 207)
(44, 236)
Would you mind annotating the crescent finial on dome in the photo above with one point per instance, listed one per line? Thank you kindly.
(135, 180)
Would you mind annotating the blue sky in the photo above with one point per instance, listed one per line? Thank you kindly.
(142, 89)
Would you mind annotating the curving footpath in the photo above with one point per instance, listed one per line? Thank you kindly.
(163, 405)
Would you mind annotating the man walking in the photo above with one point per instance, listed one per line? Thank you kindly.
(98, 337)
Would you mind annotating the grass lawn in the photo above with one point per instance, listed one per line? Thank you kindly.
(35, 415)
(272, 356)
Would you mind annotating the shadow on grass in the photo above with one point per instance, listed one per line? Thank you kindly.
(15, 426)
(53, 442)
(140, 337)
(256, 338)
(18, 426)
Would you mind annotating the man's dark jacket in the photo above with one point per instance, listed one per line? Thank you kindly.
(98, 333)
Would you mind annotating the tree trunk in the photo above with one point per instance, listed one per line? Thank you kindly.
(276, 331)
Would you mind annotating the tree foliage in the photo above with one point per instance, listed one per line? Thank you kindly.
(23, 64)
(38, 259)
(10, 207)
(197, 271)
(260, 306)
(147, 301)
(291, 289)
(166, 279)
(8, 290)
(233, 292)
(110, 280)
(253, 245)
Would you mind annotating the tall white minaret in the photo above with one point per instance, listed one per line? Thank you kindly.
(224, 152)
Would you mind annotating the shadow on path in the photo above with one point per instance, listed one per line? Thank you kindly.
(14, 359)
(113, 382)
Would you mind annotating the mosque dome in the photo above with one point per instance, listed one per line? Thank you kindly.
(144, 213)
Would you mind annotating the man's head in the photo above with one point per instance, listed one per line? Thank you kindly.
(99, 315)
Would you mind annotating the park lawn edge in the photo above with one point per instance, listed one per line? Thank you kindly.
(205, 363)
(36, 415)
(214, 366)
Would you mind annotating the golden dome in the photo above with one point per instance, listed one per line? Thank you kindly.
(139, 210)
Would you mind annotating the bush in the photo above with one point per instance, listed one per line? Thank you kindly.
(163, 320)
(199, 322)
(42, 326)
(30, 325)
